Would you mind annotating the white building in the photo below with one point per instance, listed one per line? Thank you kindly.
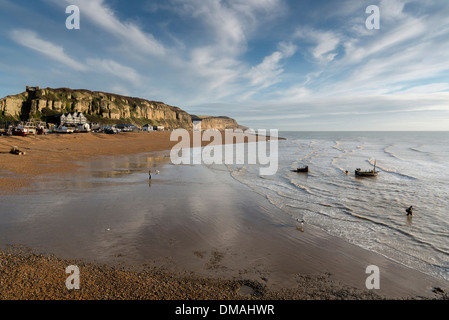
(72, 118)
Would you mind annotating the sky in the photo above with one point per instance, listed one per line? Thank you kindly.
(270, 64)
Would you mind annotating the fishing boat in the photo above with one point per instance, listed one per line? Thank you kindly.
(41, 130)
(64, 129)
(369, 173)
(111, 130)
(305, 169)
(31, 127)
(83, 128)
(20, 131)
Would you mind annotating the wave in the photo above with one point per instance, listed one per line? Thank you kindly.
(345, 151)
(343, 154)
(392, 171)
(336, 146)
(312, 154)
(328, 200)
(432, 156)
(388, 226)
(334, 164)
(390, 153)
(418, 150)
(301, 187)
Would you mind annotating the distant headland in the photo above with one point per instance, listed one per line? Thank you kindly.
(39, 103)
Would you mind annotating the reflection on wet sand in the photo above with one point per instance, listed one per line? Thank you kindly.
(111, 174)
(109, 211)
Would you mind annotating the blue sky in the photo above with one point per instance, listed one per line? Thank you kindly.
(270, 64)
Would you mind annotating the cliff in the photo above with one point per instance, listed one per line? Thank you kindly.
(102, 107)
(220, 123)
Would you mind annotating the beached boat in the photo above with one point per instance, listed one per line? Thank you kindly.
(64, 129)
(15, 150)
(111, 130)
(31, 127)
(305, 169)
(82, 128)
(19, 131)
(41, 130)
(368, 173)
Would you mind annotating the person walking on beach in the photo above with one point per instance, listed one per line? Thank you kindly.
(409, 211)
(149, 174)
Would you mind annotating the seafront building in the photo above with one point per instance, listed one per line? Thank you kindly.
(67, 118)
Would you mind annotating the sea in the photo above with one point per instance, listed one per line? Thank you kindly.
(368, 212)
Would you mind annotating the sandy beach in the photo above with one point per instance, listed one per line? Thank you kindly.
(48, 154)
(220, 249)
(57, 153)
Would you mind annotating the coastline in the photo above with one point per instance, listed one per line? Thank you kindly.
(270, 258)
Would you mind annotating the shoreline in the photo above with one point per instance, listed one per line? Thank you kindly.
(322, 268)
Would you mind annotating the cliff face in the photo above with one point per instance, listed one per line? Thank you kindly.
(36, 103)
(12, 105)
(219, 123)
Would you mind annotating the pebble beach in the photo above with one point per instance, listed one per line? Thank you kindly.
(29, 276)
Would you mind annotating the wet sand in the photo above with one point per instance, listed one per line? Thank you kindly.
(201, 235)
(57, 153)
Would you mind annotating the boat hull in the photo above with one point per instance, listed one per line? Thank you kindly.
(366, 173)
(64, 130)
(20, 132)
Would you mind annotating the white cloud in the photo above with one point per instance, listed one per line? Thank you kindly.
(326, 42)
(227, 25)
(266, 73)
(295, 94)
(130, 34)
(408, 49)
(111, 67)
(229, 22)
(427, 89)
(31, 39)
(403, 34)
(353, 112)
(226, 30)
(383, 72)
(213, 62)
(392, 10)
